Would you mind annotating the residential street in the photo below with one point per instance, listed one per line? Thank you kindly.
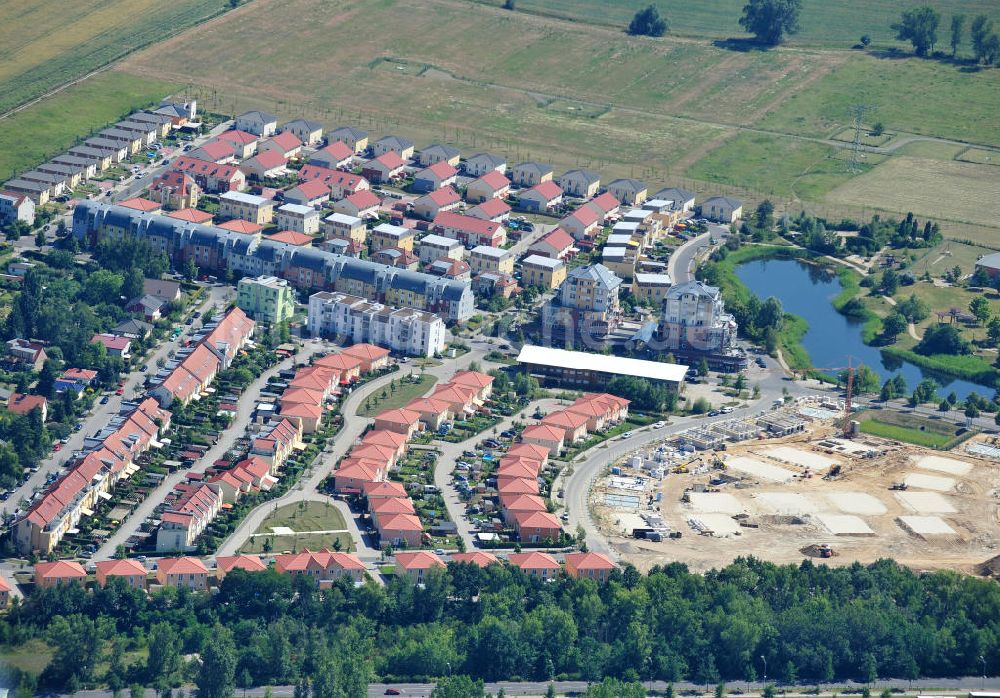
(102, 413)
(354, 427)
(229, 437)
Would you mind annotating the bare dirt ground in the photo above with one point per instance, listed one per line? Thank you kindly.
(787, 522)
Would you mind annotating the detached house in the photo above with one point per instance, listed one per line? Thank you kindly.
(266, 163)
(132, 571)
(724, 209)
(354, 137)
(495, 210)
(403, 147)
(681, 199)
(219, 152)
(312, 193)
(605, 204)
(384, 168)
(309, 132)
(492, 185)
(440, 174)
(582, 224)
(528, 174)
(541, 197)
(337, 155)
(286, 143)
(60, 573)
(187, 572)
(430, 205)
(628, 191)
(439, 153)
(259, 123)
(416, 565)
(481, 163)
(580, 183)
(536, 526)
(245, 144)
(556, 244)
(596, 566)
(341, 184)
(175, 190)
(538, 565)
(545, 435)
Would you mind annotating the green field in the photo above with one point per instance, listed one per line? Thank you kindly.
(909, 428)
(822, 23)
(305, 519)
(50, 127)
(30, 657)
(46, 44)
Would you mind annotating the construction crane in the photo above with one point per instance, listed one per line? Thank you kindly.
(850, 368)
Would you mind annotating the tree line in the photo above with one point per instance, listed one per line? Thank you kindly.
(809, 622)
(919, 26)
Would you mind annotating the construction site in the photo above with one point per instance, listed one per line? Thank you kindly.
(801, 482)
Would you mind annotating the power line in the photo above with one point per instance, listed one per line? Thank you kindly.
(858, 111)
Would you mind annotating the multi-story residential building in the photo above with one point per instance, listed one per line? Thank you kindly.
(256, 209)
(486, 259)
(340, 226)
(587, 304)
(388, 235)
(406, 330)
(433, 247)
(266, 299)
(695, 321)
(470, 231)
(543, 272)
(651, 287)
(301, 219)
(216, 250)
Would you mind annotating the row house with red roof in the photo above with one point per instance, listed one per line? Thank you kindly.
(76, 494)
(191, 508)
(211, 177)
(417, 564)
(325, 566)
(342, 184)
(468, 230)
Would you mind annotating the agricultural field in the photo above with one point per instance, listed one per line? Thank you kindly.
(929, 188)
(822, 23)
(43, 130)
(41, 50)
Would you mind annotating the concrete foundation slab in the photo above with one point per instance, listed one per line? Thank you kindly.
(718, 525)
(816, 462)
(941, 464)
(929, 482)
(715, 502)
(759, 469)
(787, 503)
(925, 502)
(926, 526)
(845, 525)
(856, 503)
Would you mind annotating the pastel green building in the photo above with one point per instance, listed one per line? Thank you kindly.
(266, 299)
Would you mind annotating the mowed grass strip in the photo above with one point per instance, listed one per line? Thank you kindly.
(51, 126)
(406, 391)
(305, 519)
(836, 22)
(47, 43)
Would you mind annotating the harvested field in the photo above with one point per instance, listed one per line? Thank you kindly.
(951, 190)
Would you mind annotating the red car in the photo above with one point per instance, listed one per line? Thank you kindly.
(120, 391)
(57, 448)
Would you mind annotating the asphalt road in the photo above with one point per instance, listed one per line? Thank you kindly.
(959, 686)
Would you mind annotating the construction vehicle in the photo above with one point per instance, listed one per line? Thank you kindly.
(825, 551)
(901, 486)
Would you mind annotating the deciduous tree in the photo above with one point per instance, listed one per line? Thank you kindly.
(771, 20)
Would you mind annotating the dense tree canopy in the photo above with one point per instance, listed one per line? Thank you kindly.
(771, 20)
(919, 26)
(819, 623)
(648, 22)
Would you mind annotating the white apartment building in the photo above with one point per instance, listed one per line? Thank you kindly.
(405, 330)
(301, 219)
(694, 318)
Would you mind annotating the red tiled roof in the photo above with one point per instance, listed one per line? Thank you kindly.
(192, 215)
(365, 351)
(418, 560)
(61, 569)
(466, 223)
(428, 404)
(291, 237)
(533, 561)
(441, 169)
(250, 563)
(84, 374)
(208, 168)
(473, 379)
(399, 415)
(401, 522)
(390, 160)
(542, 431)
(517, 485)
(384, 437)
(238, 225)
(182, 565)
(476, 557)
(548, 190)
(536, 519)
(383, 489)
(444, 196)
(533, 451)
(121, 568)
(140, 204)
(338, 150)
(270, 159)
(364, 199)
(19, 403)
(495, 179)
(565, 418)
(589, 561)
(286, 140)
(605, 202)
(341, 362)
(585, 215)
(301, 409)
(217, 150)
(392, 505)
(313, 189)
(235, 136)
(494, 207)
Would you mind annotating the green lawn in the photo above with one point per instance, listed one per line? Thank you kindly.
(838, 22)
(774, 166)
(31, 657)
(304, 519)
(405, 391)
(908, 428)
(50, 127)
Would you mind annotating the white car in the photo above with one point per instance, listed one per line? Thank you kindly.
(659, 425)
(626, 435)
(726, 410)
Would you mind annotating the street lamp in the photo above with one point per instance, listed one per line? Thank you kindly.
(764, 660)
